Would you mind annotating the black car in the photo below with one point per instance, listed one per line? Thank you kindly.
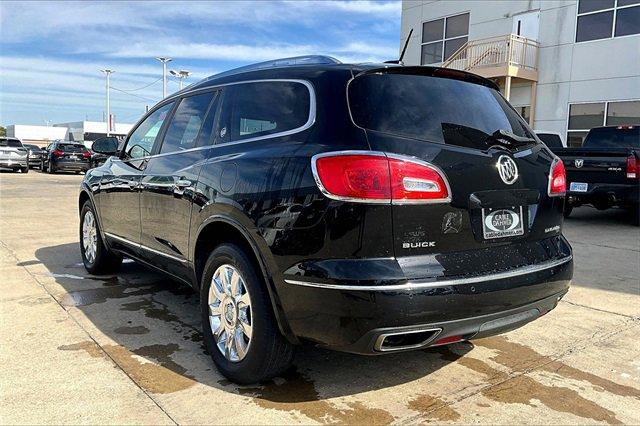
(35, 155)
(605, 171)
(365, 208)
(66, 156)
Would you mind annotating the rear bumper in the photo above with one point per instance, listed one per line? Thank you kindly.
(72, 165)
(13, 163)
(606, 195)
(353, 318)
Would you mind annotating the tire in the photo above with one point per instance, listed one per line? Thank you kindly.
(25, 170)
(267, 354)
(50, 168)
(99, 260)
(567, 210)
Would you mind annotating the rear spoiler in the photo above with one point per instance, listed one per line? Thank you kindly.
(433, 72)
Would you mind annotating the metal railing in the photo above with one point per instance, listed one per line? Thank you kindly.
(510, 49)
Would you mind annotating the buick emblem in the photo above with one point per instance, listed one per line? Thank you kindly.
(579, 163)
(507, 169)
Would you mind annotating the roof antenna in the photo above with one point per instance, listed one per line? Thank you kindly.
(404, 49)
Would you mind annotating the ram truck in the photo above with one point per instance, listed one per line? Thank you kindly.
(604, 172)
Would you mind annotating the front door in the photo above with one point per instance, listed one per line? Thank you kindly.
(119, 189)
(169, 182)
(527, 25)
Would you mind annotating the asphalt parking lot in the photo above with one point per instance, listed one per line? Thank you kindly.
(127, 349)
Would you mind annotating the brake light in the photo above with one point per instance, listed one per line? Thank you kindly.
(376, 177)
(57, 152)
(632, 167)
(557, 179)
(86, 154)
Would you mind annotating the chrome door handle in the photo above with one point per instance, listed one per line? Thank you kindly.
(182, 183)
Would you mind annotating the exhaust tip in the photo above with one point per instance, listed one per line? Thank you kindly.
(404, 340)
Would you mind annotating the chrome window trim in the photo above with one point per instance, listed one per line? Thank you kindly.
(311, 119)
(418, 285)
(388, 201)
(143, 247)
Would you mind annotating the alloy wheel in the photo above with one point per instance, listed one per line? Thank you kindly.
(230, 313)
(89, 236)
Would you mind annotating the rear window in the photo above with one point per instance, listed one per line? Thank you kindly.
(69, 147)
(251, 110)
(12, 143)
(613, 137)
(432, 109)
(551, 140)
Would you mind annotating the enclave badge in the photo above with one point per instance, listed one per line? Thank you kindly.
(508, 169)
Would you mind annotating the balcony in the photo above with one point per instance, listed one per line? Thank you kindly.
(504, 56)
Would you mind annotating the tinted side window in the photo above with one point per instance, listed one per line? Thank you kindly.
(142, 139)
(258, 109)
(550, 140)
(187, 122)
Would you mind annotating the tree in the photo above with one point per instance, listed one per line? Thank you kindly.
(3, 131)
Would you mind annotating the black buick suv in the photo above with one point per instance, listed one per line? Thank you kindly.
(366, 208)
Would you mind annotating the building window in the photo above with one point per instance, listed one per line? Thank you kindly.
(599, 19)
(442, 37)
(583, 117)
(524, 111)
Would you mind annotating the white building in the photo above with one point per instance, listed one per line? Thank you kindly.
(79, 131)
(566, 65)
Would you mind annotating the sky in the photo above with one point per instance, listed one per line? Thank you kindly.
(51, 53)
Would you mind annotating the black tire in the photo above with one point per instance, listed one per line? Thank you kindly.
(25, 170)
(268, 353)
(567, 210)
(105, 261)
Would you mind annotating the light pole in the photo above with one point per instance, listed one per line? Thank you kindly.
(182, 74)
(108, 73)
(164, 61)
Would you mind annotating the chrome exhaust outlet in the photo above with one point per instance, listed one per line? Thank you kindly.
(402, 340)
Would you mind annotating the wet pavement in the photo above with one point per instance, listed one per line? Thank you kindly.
(127, 348)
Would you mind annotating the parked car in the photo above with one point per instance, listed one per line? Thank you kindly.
(417, 209)
(552, 140)
(604, 172)
(35, 155)
(66, 156)
(13, 155)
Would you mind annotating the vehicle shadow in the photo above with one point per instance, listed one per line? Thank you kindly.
(141, 314)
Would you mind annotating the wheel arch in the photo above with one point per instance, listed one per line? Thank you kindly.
(221, 229)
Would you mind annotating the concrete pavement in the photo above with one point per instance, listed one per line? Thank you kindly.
(127, 348)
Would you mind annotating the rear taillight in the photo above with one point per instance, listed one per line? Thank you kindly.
(376, 177)
(86, 154)
(632, 167)
(557, 179)
(57, 152)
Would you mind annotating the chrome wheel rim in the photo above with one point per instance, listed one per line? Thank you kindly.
(89, 236)
(230, 314)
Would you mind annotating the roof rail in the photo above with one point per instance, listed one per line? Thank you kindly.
(277, 63)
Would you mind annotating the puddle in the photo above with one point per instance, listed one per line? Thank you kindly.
(132, 330)
(433, 408)
(523, 389)
(297, 393)
(162, 378)
(101, 295)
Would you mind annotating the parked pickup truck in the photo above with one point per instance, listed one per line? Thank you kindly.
(605, 171)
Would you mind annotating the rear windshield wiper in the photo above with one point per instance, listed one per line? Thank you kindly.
(508, 139)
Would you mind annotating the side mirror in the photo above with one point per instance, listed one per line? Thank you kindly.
(108, 145)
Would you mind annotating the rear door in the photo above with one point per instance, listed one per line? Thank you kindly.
(498, 189)
(169, 181)
(119, 188)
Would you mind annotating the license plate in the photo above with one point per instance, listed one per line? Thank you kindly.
(578, 187)
(74, 157)
(502, 223)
